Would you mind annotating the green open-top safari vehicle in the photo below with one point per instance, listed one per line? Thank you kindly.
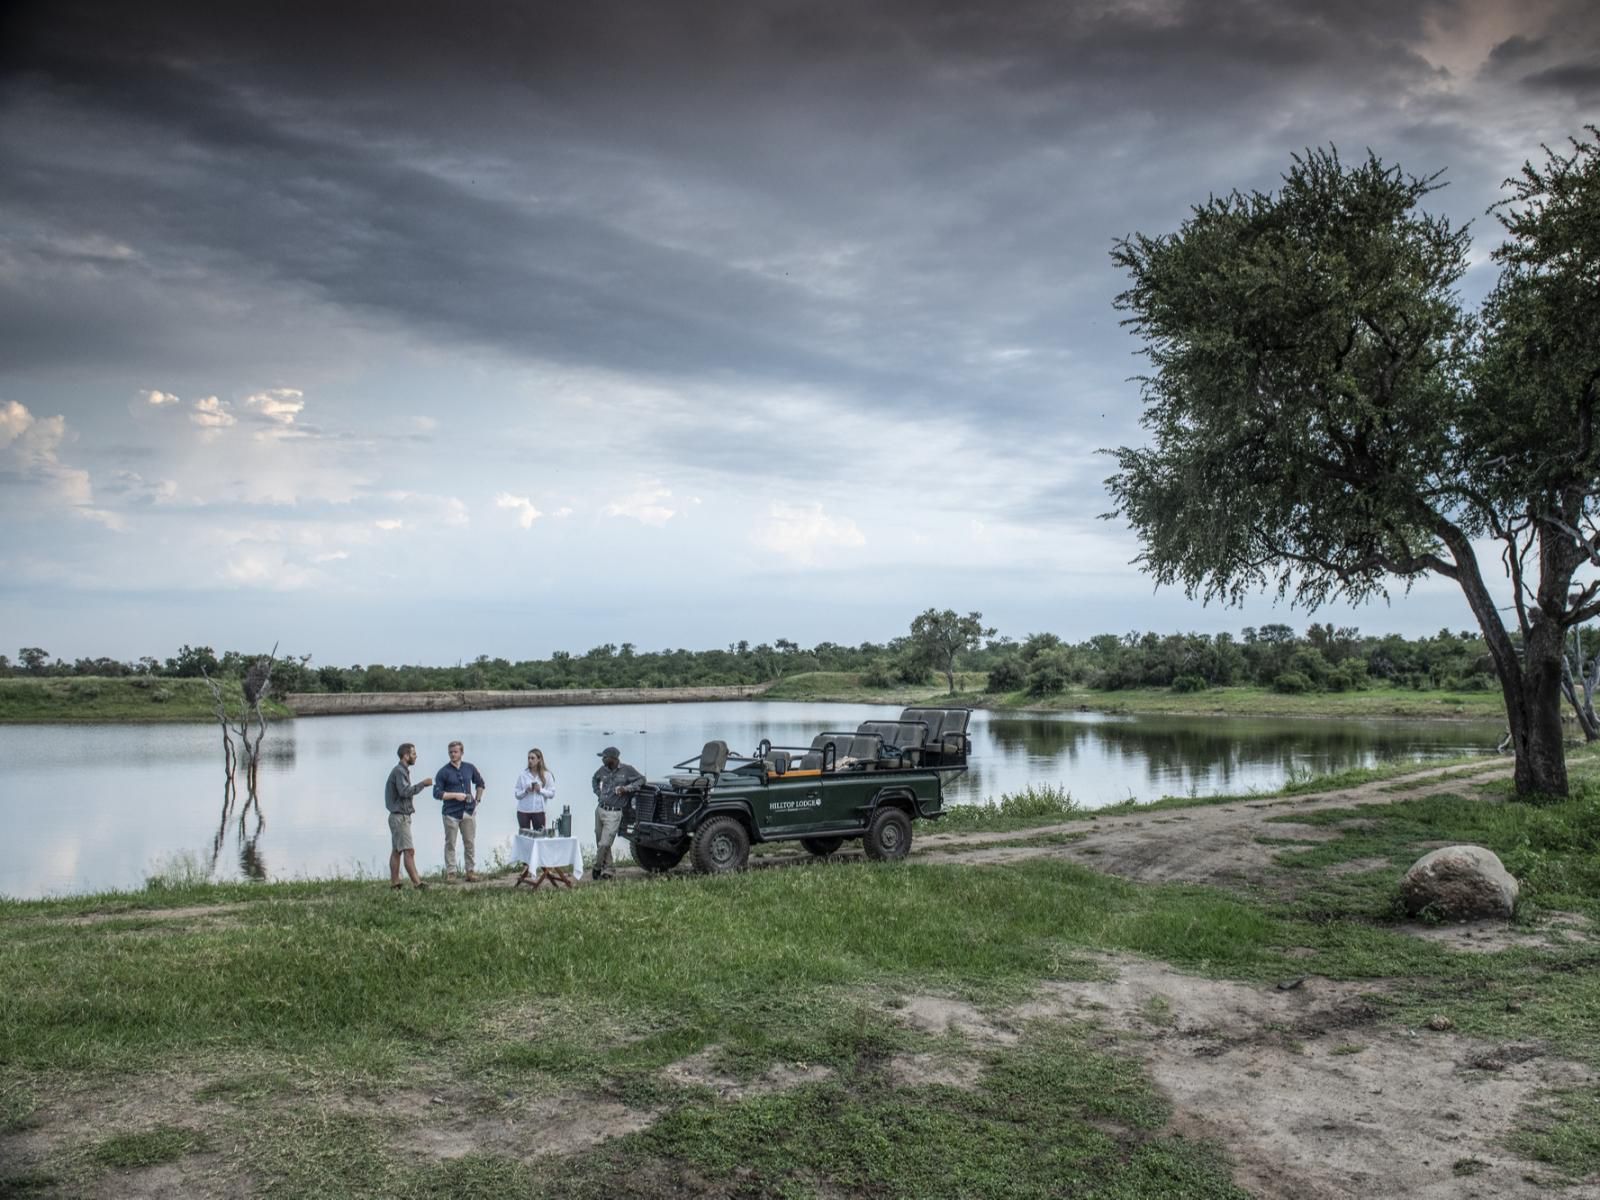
(869, 784)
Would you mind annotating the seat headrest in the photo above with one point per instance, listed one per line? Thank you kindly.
(713, 758)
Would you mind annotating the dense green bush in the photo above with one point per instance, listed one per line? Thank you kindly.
(879, 674)
(1007, 675)
(1050, 672)
(1291, 683)
(1189, 683)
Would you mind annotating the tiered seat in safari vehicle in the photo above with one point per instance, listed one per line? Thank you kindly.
(945, 743)
(838, 750)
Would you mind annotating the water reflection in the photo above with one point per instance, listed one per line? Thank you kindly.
(143, 795)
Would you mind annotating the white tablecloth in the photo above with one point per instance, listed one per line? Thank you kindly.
(549, 852)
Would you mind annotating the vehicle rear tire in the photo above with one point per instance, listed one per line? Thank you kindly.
(720, 845)
(656, 861)
(888, 838)
(823, 846)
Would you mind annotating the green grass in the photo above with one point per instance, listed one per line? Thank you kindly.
(147, 1148)
(148, 698)
(136, 698)
(273, 1030)
(845, 686)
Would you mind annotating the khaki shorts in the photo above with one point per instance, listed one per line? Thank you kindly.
(400, 832)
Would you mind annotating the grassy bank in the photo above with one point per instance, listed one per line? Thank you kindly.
(1376, 702)
(741, 1036)
(147, 698)
(136, 698)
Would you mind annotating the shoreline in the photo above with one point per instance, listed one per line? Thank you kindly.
(339, 704)
(74, 701)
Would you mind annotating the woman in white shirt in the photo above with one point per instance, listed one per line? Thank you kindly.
(534, 788)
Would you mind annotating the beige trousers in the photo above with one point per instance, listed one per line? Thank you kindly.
(606, 823)
(467, 825)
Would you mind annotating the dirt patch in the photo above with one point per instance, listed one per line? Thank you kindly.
(198, 1177)
(939, 1015)
(1556, 931)
(445, 1125)
(699, 1070)
(1311, 1095)
(934, 1070)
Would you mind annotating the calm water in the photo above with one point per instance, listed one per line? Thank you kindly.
(104, 806)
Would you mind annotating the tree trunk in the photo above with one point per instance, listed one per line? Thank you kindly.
(950, 679)
(1531, 682)
(1535, 714)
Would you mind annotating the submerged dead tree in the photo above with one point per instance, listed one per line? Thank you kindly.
(256, 686)
(249, 725)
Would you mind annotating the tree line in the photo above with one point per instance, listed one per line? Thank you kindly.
(1323, 658)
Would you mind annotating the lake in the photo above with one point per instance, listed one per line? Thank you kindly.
(98, 807)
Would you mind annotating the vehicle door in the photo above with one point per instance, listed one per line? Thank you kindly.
(847, 793)
(788, 805)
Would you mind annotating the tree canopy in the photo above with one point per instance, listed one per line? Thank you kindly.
(1326, 417)
(943, 636)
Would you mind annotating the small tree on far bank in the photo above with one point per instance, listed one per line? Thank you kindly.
(943, 636)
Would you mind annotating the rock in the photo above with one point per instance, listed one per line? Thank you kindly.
(1458, 883)
(1439, 1023)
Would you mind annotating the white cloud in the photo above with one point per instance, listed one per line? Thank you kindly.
(644, 504)
(157, 399)
(390, 524)
(277, 405)
(31, 448)
(564, 511)
(526, 513)
(211, 413)
(269, 569)
(423, 424)
(15, 419)
(806, 534)
(424, 510)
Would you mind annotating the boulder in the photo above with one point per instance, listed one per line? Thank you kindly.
(1459, 883)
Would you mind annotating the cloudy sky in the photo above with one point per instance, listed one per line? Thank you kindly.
(401, 331)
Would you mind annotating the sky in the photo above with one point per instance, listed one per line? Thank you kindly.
(409, 332)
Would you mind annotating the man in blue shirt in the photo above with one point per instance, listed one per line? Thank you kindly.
(460, 786)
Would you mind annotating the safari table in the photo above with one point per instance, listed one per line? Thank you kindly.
(553, 860)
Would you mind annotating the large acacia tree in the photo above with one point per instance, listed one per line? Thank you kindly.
(1326, 417)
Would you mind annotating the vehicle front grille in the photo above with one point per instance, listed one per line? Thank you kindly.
(646, 804)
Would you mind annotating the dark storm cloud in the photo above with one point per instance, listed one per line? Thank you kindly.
(1577, 79)
(867, 197)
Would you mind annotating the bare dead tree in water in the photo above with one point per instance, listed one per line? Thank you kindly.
(256, 686)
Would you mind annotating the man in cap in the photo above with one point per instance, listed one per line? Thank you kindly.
(614, 781)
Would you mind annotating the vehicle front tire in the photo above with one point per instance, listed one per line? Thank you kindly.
(656, 861)
(888, 838)
(823, 846)
(720, 845)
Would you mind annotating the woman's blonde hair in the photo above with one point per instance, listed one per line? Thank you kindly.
(544, 767)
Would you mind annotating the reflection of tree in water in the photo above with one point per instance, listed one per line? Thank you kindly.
(252, 864)
(1220, 748)
(251, 823)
